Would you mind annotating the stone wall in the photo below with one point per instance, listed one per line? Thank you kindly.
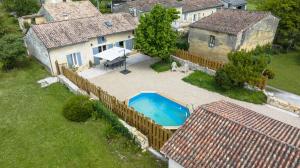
(261, 33)
(194, 66)
(276, 102)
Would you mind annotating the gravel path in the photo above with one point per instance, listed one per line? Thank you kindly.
(143, 78)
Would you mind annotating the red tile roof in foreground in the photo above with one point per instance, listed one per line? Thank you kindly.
(223, 134)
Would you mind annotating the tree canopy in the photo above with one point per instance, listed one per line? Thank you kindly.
(288, 11)
(245, 67)
(155, 35)
(21, 7)
(12, 50)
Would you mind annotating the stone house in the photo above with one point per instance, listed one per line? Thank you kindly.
(235, 4)
(189, 10)
(68, 10)
(58, 11)
(229, 30)
(223, 134)
(74, 42)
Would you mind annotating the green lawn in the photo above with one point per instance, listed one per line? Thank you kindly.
(287, 69)
(252, 4)
(35, 134)
(161, 66)
(205, 81)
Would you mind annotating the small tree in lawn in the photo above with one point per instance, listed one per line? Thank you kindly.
(243, 67)
(12, 51)
(155, 35)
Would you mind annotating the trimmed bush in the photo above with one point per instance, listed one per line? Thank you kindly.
(78, 108)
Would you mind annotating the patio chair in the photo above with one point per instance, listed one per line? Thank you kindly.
(186, 67)
(174, 66)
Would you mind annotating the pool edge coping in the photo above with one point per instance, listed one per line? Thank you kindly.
(172, 99)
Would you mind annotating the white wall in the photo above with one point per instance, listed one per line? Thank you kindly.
(173, 164)
(85, 49)
(199, 15)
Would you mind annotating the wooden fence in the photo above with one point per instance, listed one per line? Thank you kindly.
(211, 64)
(198, 60)
(157, 135)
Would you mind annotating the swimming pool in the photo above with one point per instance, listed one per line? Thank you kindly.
(163, 111)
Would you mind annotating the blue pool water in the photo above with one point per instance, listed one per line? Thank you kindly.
(160, 109)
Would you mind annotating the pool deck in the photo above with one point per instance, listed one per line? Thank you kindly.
(170, 84)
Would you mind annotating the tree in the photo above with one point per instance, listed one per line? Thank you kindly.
(12, 51)
(155, 35)
(21, 7)
(288, 11)
(243, 67)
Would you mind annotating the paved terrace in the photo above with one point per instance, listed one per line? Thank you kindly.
(143, 78)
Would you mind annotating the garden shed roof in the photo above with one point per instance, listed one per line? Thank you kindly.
(58, 34)
(223, 134)
(230, 21)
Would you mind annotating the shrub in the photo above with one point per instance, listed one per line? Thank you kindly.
(116, 125)
(182, 42)
(243, 67)
(12, 51)
(269, 73)
(223, 80)
(78, 108)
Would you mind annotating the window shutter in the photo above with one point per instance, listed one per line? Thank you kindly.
(101, 39)
(110, 46)
(129, 44)
(95, 50)
(117, 44)
(70, 60)
(96, 61)
(79, 59)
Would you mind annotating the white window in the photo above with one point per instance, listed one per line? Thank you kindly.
(74, 59)
(212, 41)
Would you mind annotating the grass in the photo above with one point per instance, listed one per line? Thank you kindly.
(286, 67)
(207, 82)
(162, 66)
(252, 4)
(34, 132)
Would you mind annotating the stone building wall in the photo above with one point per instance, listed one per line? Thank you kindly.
(262, 33)
(224, 43)
(37, 49)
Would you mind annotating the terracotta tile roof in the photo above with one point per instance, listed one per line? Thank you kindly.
(71, 10)
(187, 5)
(230, 21)
(147, 5)
(194, 5)
(58, 34)
(223, 134)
